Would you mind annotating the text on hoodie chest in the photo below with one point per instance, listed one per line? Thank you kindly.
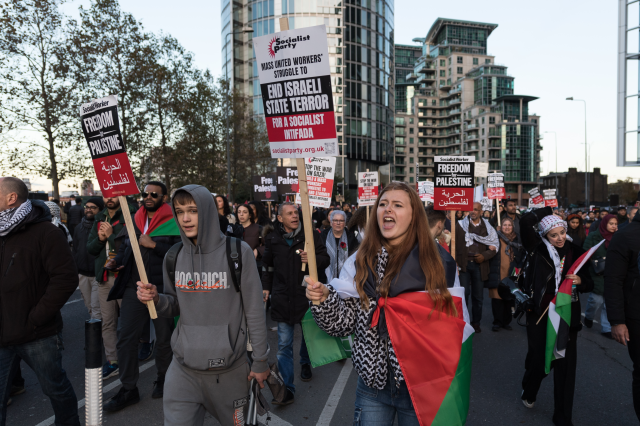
(201, 281)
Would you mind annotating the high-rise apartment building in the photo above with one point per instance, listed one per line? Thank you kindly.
(360, 38)
(463, 103)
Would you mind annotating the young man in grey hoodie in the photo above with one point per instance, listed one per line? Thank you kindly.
(210, 370)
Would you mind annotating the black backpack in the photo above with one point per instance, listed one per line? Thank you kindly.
(234, 258)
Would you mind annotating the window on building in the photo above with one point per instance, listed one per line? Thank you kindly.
(433, 101)
(449, 71)
(482, 120)
(459, 59)
(411, 141)
(492, 120)
(487, 61)
(443, 73)
(483, 130)
(475, 61)
(482, 142)
(441, 81)
(459, 70)
(410, 169)
(410, 150)
(411, 160)
(410, 130)
(449, 60)
(410, 180)
(443, 63)
(482, 154)
(411, 120)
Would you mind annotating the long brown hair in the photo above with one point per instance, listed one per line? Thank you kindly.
(418, 233)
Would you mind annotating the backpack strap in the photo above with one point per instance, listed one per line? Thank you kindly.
(171, 258)
(234, 258)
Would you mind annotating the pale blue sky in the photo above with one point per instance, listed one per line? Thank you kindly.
(554, 48)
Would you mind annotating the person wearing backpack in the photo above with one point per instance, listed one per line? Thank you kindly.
(212, 282)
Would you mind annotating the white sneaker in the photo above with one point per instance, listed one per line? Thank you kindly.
(527, 403)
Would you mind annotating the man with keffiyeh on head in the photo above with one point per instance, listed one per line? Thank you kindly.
(476, 243)
(38, 277)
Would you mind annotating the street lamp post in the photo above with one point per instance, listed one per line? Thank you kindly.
(226, 77)
(555, 138)
(586, 167)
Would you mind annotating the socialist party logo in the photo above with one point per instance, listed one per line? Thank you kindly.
(276, 44)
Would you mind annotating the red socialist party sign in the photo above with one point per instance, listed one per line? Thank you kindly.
(293, 68)
(454, 186)
(495, 186)
(367, 188)
(101, 128)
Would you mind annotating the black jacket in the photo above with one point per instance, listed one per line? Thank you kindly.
(621, 276)
(495, 264)
(539, 269)
(85, 262)
(37, 277)
(75, 215)
(282, 274)
(152, 259)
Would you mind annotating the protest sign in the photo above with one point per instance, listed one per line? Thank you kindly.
(295, 80)
(495, 186)
(425, 190)
(367, 188)
(550, 199)
(320, 175)
(453, 186)
(478, 193)
(487, 204)
(287, 180)
(101, 128)
(264, 188)
(481, 169)
(536, 199)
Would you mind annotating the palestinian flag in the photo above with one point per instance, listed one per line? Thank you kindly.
(162, 224)
(434, 351)
(559, 319)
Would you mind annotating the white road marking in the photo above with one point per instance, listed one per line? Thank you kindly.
(105, 389)
(275, 421)
(334, 398)
(73, 301)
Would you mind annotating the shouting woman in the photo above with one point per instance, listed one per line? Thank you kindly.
(397, 260)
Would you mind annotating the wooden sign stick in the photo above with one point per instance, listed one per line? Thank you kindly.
(310, 247)
(136, 250)
(453, 234)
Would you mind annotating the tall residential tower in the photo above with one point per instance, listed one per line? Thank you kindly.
(464, 104)
(360, 38)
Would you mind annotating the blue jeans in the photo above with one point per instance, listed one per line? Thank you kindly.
(593, 303)
(379, 407)
(473, 285)
(44, 356)
(285, 354)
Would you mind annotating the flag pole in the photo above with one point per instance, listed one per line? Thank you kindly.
(124, 206)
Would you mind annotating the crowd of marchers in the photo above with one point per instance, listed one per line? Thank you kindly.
(210, 337)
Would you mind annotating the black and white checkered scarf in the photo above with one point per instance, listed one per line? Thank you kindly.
(11, 218)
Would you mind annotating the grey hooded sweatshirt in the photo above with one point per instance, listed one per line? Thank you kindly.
(212, 332)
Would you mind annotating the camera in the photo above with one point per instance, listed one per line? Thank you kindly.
(508, 291)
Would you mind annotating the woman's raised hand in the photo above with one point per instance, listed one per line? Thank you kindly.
(316, 291)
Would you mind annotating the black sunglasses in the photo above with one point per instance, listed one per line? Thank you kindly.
(146, 194)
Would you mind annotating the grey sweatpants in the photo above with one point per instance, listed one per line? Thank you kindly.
(188, 394)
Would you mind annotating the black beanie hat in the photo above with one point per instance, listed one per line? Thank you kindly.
(97, 201)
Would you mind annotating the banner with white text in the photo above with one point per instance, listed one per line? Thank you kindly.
(367, 188)
(454, 182)
(101, 128)
(295, 81)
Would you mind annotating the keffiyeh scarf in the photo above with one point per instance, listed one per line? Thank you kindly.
(11, 218)
(337, 254)
(547, 224)
(57, 220)
(489, 240)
